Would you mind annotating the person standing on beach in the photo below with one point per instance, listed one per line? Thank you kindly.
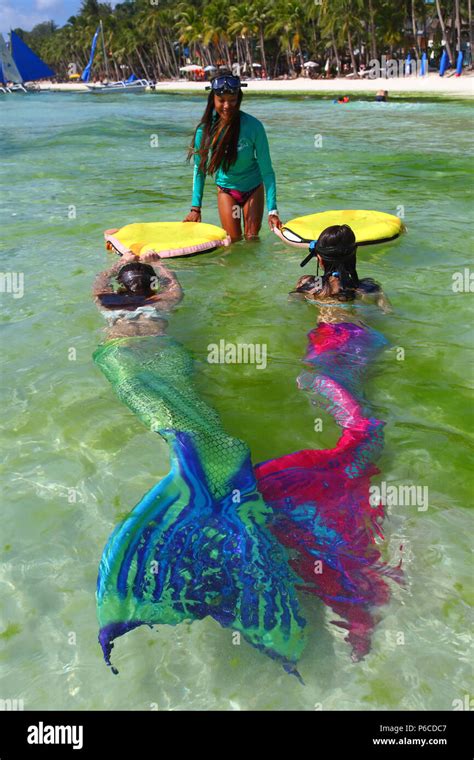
(233, 146)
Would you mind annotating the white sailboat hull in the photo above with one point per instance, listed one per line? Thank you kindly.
(139, 84)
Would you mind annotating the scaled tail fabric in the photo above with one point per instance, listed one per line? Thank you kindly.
(320, 499)
(197, 544)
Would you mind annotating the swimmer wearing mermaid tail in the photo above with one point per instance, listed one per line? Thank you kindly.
(136, 307)
(197, 544)
(335, 252)
(320, 499)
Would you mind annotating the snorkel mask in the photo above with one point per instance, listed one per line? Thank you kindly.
(225, 84)
(137, 278)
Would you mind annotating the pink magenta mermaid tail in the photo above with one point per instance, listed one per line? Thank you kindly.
(320, 498)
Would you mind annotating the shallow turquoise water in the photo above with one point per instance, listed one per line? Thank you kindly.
(65, 434)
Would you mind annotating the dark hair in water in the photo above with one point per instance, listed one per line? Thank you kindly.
(219, 141)
(337, 247)
(137, 278)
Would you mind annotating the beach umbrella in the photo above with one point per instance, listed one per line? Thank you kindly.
(311, 64)
(209, 68)
(424, 63)
(444, 63)
(408, 65)
(459, 63)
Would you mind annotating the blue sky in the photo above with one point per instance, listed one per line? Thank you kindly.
(27, 13)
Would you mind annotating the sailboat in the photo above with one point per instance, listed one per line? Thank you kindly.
(19, 65)
(132, 83)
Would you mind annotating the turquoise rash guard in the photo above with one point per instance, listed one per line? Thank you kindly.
(253, 163)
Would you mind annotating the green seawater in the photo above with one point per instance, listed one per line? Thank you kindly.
(75, 460)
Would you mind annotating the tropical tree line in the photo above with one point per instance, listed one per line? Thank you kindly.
(154, 38)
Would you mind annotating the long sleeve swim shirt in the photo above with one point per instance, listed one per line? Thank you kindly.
(253, 164)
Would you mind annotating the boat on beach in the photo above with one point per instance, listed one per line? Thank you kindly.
(20, 67)
(132, 84)
(122, 86)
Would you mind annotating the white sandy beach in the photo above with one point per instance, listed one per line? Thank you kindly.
(432, 84)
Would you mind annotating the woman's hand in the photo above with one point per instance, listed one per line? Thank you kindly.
(127, 258)
(193, 216)
(150, 256)
(274, 221)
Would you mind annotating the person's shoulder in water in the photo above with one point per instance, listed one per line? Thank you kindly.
(368, 285)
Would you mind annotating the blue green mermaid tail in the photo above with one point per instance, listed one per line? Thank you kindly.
(197, 544)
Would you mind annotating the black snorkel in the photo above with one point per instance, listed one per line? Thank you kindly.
(328, 253)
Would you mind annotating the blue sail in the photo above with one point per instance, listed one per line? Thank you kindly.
(87, 71)
(29, 65)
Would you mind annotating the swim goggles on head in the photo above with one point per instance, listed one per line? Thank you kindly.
(330, 253)
(225, 84)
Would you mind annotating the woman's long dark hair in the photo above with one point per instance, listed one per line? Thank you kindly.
(219, 142)
(337, 247)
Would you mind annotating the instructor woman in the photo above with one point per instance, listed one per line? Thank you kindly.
(233, 146)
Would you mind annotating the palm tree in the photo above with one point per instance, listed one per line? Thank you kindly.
(339, 20)
(262, 10)
(191, 29)
(469, 15)
(143, 35)
(443, 29)
(373, 41)
(288, 26)
(216, 22)
(457, 15)
(243, 26)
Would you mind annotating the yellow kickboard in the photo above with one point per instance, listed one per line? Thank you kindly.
(368, 226)
(167, 239)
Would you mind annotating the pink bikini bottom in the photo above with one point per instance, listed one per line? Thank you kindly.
(240, 197)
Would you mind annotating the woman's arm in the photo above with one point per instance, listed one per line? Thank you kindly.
(171, 292)
(262, 151)
(102, 283)
(372, 292)
(199, 179)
